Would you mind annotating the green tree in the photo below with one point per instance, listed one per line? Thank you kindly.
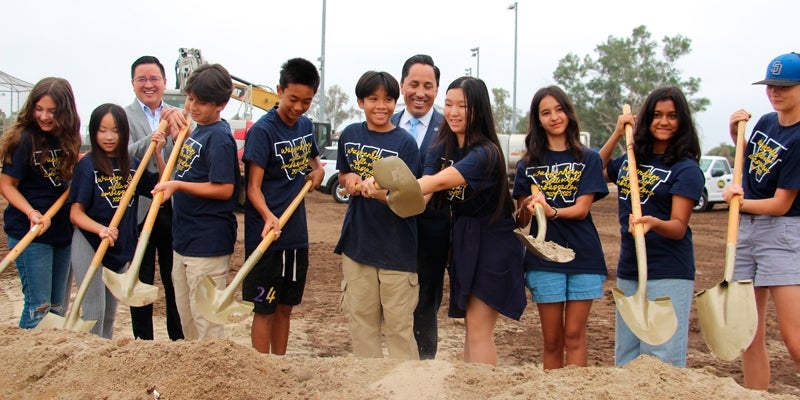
(723, 150)
(501, 111)
(625, 70)
(337, 107)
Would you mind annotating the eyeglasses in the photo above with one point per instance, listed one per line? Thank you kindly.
(152, 79)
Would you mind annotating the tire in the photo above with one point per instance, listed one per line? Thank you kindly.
(339, 197)
(703, 204)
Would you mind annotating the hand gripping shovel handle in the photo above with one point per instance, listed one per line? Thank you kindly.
(152, 212)
(267, 240)
(28, 238)
(72, 320)
(636, 206)
(541, 220)
(218, 306)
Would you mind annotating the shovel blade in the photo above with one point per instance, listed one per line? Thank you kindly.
(55, 321)
(52, 321)
(138, 295)
(549, 251)
(728, 317)
(405, 196)
(218, 308)
(652, 321)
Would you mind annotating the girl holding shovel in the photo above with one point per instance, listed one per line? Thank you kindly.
(570, 177)
(99, 182)
(768, 247)
(39, 153)
(466, 171)
(667, 150)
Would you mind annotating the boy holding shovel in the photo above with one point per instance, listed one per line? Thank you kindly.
(279, 149)
(203, 188)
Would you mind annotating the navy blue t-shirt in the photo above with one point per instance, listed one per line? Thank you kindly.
(203, 227)
(40, 185)
(371, 233)
(666, 258)
(563, 180)
(283, 152)
(472, 197)
(100, 196)
(772, 161)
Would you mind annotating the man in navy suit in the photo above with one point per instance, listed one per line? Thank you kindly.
(419, 84)
(144, 114)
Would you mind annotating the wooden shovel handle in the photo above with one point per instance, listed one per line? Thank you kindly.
(738, 166)
(165, 176)
(733, 207)
(633, 176)
(636, 207)
(28, 238)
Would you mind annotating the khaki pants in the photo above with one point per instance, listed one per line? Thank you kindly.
(369, 293)
(186, 273)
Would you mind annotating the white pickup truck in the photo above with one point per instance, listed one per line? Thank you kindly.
(718, 174)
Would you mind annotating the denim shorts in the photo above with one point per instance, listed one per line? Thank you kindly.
(557, 287)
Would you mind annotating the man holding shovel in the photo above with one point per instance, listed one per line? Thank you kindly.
(149, 82)
(279, 149)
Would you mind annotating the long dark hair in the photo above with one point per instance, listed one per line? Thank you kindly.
(480, 131)
(101, 160)
(685, 144)
(536, 139)
(67, 128)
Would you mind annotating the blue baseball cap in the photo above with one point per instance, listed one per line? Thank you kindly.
(783, 70)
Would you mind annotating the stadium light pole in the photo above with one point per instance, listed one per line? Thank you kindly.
(322, 68)
(514, 95)
(476, 52)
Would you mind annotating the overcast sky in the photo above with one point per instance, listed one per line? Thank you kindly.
(92, 43)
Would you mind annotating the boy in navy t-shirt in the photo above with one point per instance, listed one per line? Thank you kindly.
(279, 149)
(205, 181)
(378, 248)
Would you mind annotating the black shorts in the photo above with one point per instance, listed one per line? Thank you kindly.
(279, 277)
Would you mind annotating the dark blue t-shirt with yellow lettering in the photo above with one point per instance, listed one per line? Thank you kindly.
(100, 196)
(203, 227)
(40, 185)
(666, 258)
(283, 152)
(371, 233)
(772, 161)
(563, 180)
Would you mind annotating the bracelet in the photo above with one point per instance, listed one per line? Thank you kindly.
(554, 215)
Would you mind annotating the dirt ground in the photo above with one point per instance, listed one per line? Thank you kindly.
(64, 364)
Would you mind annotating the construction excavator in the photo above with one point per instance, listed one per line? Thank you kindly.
(248, 94)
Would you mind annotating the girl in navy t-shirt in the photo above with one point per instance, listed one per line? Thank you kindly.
(570, 177)
(39, 154)
(768, 251)
(98, 185)
(466, 172)
(667, 149)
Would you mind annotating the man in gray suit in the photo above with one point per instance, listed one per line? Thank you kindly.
(419, 84)
(149, 82)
